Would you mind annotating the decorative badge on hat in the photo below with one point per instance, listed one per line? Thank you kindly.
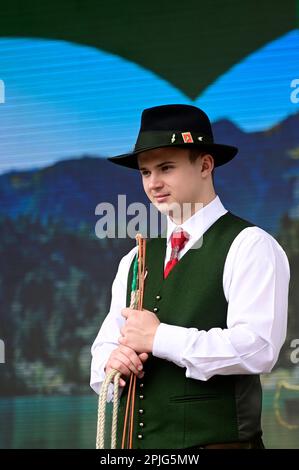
(187, 137)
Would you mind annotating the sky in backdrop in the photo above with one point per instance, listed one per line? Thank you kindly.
(64, 100)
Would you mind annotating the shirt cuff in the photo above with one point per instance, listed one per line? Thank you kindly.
(97, 388)
(169, 343)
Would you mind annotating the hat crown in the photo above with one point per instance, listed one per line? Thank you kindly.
(176, 117)
(175, 125)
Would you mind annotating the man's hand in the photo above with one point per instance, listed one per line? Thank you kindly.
(139, 330)
(125, 360)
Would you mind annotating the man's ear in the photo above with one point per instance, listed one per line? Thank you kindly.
(207, 162)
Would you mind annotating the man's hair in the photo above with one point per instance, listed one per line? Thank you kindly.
(194, 153)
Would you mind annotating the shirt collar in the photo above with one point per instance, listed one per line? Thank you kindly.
(200, 222)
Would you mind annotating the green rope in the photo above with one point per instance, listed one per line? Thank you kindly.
(135, 274)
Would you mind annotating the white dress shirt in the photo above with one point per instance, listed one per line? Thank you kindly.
(255, 284)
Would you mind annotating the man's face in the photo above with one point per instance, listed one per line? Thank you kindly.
(169, 177)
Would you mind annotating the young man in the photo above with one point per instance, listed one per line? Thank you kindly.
(215, 301)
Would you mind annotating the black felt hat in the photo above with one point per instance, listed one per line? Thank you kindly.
(176, 125)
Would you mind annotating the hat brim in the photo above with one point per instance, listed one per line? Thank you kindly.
(221, 153)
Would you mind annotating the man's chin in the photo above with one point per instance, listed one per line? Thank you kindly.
(172, 209)
(163, 207)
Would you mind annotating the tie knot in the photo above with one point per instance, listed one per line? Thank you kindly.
(179, 239)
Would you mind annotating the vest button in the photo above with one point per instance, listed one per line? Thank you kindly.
(158, 297)
(140, 436)
(141, 425)
(156, 309)
(141, 397)
(141, 412)
(141, 385)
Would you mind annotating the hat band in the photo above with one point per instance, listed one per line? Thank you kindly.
(148, 139)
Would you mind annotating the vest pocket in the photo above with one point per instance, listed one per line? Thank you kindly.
(193, 398)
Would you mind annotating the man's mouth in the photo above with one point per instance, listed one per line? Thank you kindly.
(161, 197)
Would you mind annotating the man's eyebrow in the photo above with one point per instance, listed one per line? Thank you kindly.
(157, 166)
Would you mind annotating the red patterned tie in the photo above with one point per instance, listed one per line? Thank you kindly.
(178, 241)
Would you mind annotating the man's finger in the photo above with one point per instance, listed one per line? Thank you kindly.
(143, 357)
(131, 365)
(125, 312)
(122, 383)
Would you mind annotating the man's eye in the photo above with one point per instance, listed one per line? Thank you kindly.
(167, 167)
(145, 173)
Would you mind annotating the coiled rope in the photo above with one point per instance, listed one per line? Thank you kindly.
(280, 385)
(113, 375)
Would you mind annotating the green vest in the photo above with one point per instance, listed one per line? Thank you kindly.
(171, 410)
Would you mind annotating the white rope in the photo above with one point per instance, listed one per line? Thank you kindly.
(279, 386)
(100, 442)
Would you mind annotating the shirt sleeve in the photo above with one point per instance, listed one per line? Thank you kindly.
(107, 338)
(255, 282)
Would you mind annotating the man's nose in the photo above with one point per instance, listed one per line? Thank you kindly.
(155, 181)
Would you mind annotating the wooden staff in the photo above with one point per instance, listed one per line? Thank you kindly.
(137, 291)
